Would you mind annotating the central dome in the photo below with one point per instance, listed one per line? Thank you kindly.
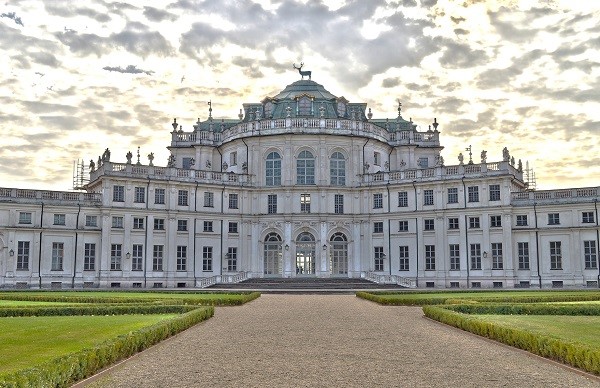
(301, 87)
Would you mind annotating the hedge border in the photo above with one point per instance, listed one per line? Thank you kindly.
(574, 354)
(65, 370)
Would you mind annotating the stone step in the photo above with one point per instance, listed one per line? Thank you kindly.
(305, 283)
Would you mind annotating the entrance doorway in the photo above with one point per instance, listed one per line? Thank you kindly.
(305, 254)
(272, 255)
(339, 254)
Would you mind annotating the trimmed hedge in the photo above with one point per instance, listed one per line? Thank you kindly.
(98, 309)
(526, 309)
(63, 371)
(398, 300)
(48, 297)
(574, 354)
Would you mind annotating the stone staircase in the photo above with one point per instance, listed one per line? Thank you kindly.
(305, 284)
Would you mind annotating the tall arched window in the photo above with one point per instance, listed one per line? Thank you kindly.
(273, 169)
(272, 255)
(337, 169)
(339, 254)
(305, 169)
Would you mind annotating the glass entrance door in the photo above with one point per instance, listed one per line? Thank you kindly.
(305, 254)
(339, 254)
(272, 255)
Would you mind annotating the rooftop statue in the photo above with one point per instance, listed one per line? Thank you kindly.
(302, 73)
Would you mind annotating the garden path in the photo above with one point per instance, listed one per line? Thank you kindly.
(332, 341)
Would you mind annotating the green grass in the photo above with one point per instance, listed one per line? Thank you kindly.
(200, 297)
(27, 303)
(582, 329)
(27, 341)
(483, 294)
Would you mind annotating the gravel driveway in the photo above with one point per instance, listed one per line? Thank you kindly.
(332, 341)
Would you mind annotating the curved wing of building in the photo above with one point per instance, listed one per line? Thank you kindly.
(301, 184)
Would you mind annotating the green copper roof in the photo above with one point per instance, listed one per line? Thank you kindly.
(301, 87)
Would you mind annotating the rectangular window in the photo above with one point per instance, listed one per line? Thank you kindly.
(377, 158)
(24, 218)
(427, 197)
(157, 257)
(402, 226)
(453, 223)
(590, 255)
(523, 255)
(182, 225)
(58, 253)
(379, 255)
(60, 219)
(22, 255)
(475, 256)
(473, 193)
(404, 259)
(453, 195)
(116, 253)
(272, 203)
(497, 258)
(233, 201)
(305, 203)
(159, 196)
(474, 223)
(207, 226)
(207, 256)
(378, 227)
(403, 199)
(182, 198)
(159, 224)
(91, 221)
(89, 257)
(117, 222)
(494, 192)
(454, 257)
(137, 258)
(231, 259)
(430, 257)
(140, 195)
(233, 227)
(233, 158)
(423, 162)
(429, 224)
(495, 221)
(587, 217)
(118, 193)
(338, 204)
(209, 199)
(187, 163)
(138, 223)
(522, 220)
(553, 219)
(378, 201)
(555, 255)
(181, 258)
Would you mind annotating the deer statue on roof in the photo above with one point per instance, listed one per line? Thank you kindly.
(302, 73)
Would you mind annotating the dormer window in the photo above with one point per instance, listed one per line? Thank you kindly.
(268, 108)
(304, 106)
(341, 108)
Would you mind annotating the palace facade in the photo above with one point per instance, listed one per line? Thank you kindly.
(301, 184)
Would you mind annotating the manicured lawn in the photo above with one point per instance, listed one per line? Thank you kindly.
(26, 341)
(201, 297)
(485, 294)
(583, 329)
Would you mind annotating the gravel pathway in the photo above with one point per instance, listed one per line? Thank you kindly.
(332, 341)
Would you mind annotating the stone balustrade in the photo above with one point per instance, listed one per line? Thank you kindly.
(26, 195)
(182, 175)
(441, 172)
(303, 125)
(556, 196)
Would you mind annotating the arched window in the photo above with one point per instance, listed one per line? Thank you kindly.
(339, 254)
(305, 169)
(337, 169)
(272, 255)
(273, 169)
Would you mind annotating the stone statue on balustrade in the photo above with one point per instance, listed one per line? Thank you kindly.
(92, 165)
(150, 159)
(461, 159)
(171, 161)
(505, 154)
(512, 160)
(129, 156)
(106, 155)
(439, 161)
(520, 166)
(99, 162)
(483, 157)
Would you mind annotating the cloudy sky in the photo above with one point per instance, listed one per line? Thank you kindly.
(79, 76)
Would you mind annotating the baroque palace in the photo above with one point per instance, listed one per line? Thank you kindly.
(301, 184)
